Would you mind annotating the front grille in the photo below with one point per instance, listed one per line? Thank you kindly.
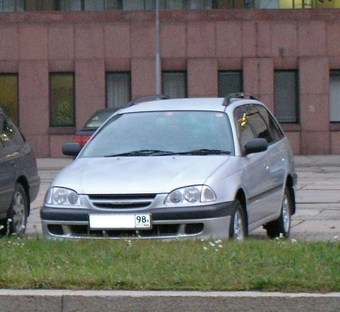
(121, 201)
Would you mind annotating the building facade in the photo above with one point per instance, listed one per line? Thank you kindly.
(58, 67)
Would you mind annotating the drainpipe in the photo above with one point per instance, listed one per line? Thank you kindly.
(158, 52)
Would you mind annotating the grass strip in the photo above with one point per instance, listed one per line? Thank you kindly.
(209, 265)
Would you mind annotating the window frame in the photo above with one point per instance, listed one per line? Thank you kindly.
(333, 112)
(14, 115)
(51, 109)
(185, 82)
(18, 6)
(239, 73)
(296, 96)
(129, 87)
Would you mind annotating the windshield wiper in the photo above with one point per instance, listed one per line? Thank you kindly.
(145, 152)
(205, 151)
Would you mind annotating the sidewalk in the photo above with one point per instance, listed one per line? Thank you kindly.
(317, 161)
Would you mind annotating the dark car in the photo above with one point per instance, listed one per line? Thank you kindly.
(19, 180)
(94, 122)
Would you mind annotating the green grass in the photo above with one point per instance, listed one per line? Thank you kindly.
(262, 265)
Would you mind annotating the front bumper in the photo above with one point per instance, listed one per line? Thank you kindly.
(208, 221)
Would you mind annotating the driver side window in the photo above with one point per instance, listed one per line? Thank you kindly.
(251, 123)
(245, 132)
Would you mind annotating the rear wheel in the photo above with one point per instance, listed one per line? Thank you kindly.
(281, 226)
(237, 228)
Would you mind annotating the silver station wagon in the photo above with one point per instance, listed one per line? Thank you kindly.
(177, 168)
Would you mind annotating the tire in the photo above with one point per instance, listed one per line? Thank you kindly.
(237, 227)
(17, 212)
(281, 226)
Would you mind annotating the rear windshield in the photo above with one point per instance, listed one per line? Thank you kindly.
(98, 119)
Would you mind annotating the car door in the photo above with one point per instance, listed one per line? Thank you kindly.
(7, 167)
(277, 156)
(256, 166)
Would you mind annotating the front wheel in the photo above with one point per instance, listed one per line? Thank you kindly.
(238, 228)
(18, 212)
(281, 226)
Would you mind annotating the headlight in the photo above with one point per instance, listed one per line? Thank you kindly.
(191, 195)
(62, 196)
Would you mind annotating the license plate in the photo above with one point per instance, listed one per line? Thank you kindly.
(120, 221)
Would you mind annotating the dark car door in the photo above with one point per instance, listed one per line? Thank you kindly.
(7, 167)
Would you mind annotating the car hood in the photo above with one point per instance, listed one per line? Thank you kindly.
(126, 175)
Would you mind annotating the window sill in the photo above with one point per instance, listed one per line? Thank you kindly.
(291, 127)
(61, 130)
(334, 127)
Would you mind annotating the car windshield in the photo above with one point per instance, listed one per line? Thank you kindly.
(163, 133)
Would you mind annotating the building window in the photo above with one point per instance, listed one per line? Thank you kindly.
(229, 82)
(101, 5)
(174, 84)
(11, 5)
(271, 4)
(9, 96)
(335, 96)
(39, 5)
(118, 87)
(286, 96)
(137, 5)
(62, 108)
(167, 4)
(85, 5)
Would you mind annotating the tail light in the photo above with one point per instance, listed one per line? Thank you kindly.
(81, 139)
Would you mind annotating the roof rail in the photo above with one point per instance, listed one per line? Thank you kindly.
(239, 95)
(146, 98)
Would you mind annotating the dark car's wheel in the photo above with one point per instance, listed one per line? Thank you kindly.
(17, 213)
(238, 228)
(281, 226)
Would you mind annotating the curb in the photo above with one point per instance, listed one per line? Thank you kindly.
(85, 301)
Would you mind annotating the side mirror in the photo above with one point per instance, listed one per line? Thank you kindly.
(256, 146)
(71, 149)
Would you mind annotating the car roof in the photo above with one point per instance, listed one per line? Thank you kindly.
(189, 104)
